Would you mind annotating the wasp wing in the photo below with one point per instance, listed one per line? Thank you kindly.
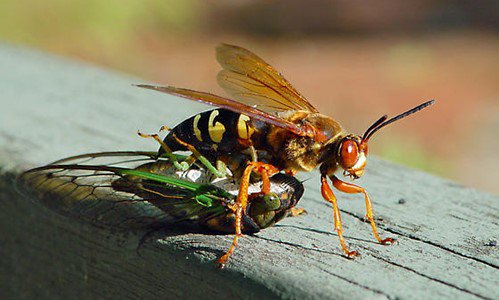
(250, 80)
(232, 105)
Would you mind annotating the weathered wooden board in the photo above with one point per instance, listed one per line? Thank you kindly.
(53, 108)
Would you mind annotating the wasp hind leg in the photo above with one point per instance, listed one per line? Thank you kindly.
(351, 188)
(182, 166)
(265, 170)
(219, 171)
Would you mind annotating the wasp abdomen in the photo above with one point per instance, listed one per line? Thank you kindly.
(212, 131)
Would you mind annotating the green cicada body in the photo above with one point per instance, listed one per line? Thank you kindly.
(136, 190)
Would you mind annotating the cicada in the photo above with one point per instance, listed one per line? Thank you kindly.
(138, 190)
(277, 129)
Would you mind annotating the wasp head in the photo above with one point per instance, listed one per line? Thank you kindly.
(352, 155)
(351, 151)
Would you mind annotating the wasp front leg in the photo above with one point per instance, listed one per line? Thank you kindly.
(351, 188)
(329, 196)
(265, 170)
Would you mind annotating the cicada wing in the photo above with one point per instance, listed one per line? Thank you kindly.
(89, 195)
(108, 158)
(108, 195)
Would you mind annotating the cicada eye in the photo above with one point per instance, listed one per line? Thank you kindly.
(272, 201)
(349, 153)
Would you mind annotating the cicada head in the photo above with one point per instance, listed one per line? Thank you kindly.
(266, 210)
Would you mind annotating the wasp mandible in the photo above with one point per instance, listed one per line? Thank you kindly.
(278, 130)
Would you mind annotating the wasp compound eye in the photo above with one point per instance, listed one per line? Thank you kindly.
(349, 153)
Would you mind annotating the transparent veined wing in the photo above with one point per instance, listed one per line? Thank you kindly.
(136, 190)
(250, 80)
(119, 189)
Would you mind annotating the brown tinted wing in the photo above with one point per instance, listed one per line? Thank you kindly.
(250, 80)
(232, 105)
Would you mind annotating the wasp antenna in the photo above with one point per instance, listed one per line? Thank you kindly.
(383, 123)
(374, 125)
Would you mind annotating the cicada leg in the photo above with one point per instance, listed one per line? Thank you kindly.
(296, 211)
(183, 166)
(254, 155)
(219, 171)
(355, 189)
(265, 170)
(329, 196)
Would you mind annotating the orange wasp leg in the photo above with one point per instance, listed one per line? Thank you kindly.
(265, 170)
(329, 196)
(351, 188)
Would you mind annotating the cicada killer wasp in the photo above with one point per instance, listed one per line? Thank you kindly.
(278, 129)
(135, 190)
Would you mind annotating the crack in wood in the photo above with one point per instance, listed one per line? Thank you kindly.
(428, 277)
(359, 285)
(325, 270)
(412, 237)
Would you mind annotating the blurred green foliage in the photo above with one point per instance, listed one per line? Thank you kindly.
(405, 151)
(112, 21)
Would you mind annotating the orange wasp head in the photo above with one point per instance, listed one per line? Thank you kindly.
(352, 149)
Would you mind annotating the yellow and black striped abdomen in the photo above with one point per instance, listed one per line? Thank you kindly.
(212, 132)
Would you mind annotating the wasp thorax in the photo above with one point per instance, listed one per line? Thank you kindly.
(352, 155)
